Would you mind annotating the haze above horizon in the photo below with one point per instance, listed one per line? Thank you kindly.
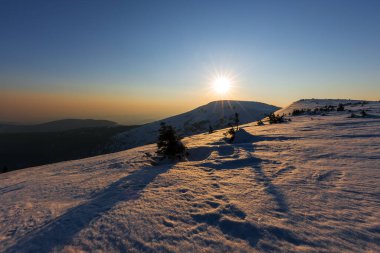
(130, 61)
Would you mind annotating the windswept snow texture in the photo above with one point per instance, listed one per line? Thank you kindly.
(309, 185)
(215, 114)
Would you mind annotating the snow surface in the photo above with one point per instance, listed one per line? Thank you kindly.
(216, 114)
(309, 185)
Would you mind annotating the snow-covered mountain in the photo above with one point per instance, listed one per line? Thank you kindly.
(216, 114)
(317, 103)
(308, 185)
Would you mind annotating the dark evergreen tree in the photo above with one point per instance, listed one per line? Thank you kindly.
(275, 119)
(210, 129)
(169, 144)
(260, 122)
(340, 108)
(237, 120)
(297, 112)
(231, 132)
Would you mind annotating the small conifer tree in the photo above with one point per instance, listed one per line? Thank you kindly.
(169, 144)
(231, 132)
(340, 108)
(275, 119)
(237, 120)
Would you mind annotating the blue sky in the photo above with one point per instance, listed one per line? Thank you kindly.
(159, 56)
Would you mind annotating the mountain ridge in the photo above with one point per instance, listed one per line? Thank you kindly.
(56, 125)
(217, 114)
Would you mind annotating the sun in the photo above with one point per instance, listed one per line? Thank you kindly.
(222, 85)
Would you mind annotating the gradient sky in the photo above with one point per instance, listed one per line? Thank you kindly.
(134, 61)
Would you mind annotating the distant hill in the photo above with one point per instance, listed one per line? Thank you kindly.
(26, 149)
(217, 114)
(316, 103)
(56, 126)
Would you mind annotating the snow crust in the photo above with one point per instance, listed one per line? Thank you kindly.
(309, 185)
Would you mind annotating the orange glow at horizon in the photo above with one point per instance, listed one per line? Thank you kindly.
(37, 107)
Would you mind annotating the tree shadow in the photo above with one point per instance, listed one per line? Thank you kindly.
(261, 177)
(10, 188)
(238, 226)
(61, 230)
(271, 189)
(244, 140)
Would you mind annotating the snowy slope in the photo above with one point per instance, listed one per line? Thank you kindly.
(309, 185)
(216, 114)
(317, 103)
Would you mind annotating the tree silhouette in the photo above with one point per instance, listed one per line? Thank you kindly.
(237, 120)
(275, 119)
(340, 108)
(231, 132)
(169, 144)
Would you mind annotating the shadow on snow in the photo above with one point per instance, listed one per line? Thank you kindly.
(242, 228)
(61, 230)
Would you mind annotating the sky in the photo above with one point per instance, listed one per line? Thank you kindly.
(137, 61)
